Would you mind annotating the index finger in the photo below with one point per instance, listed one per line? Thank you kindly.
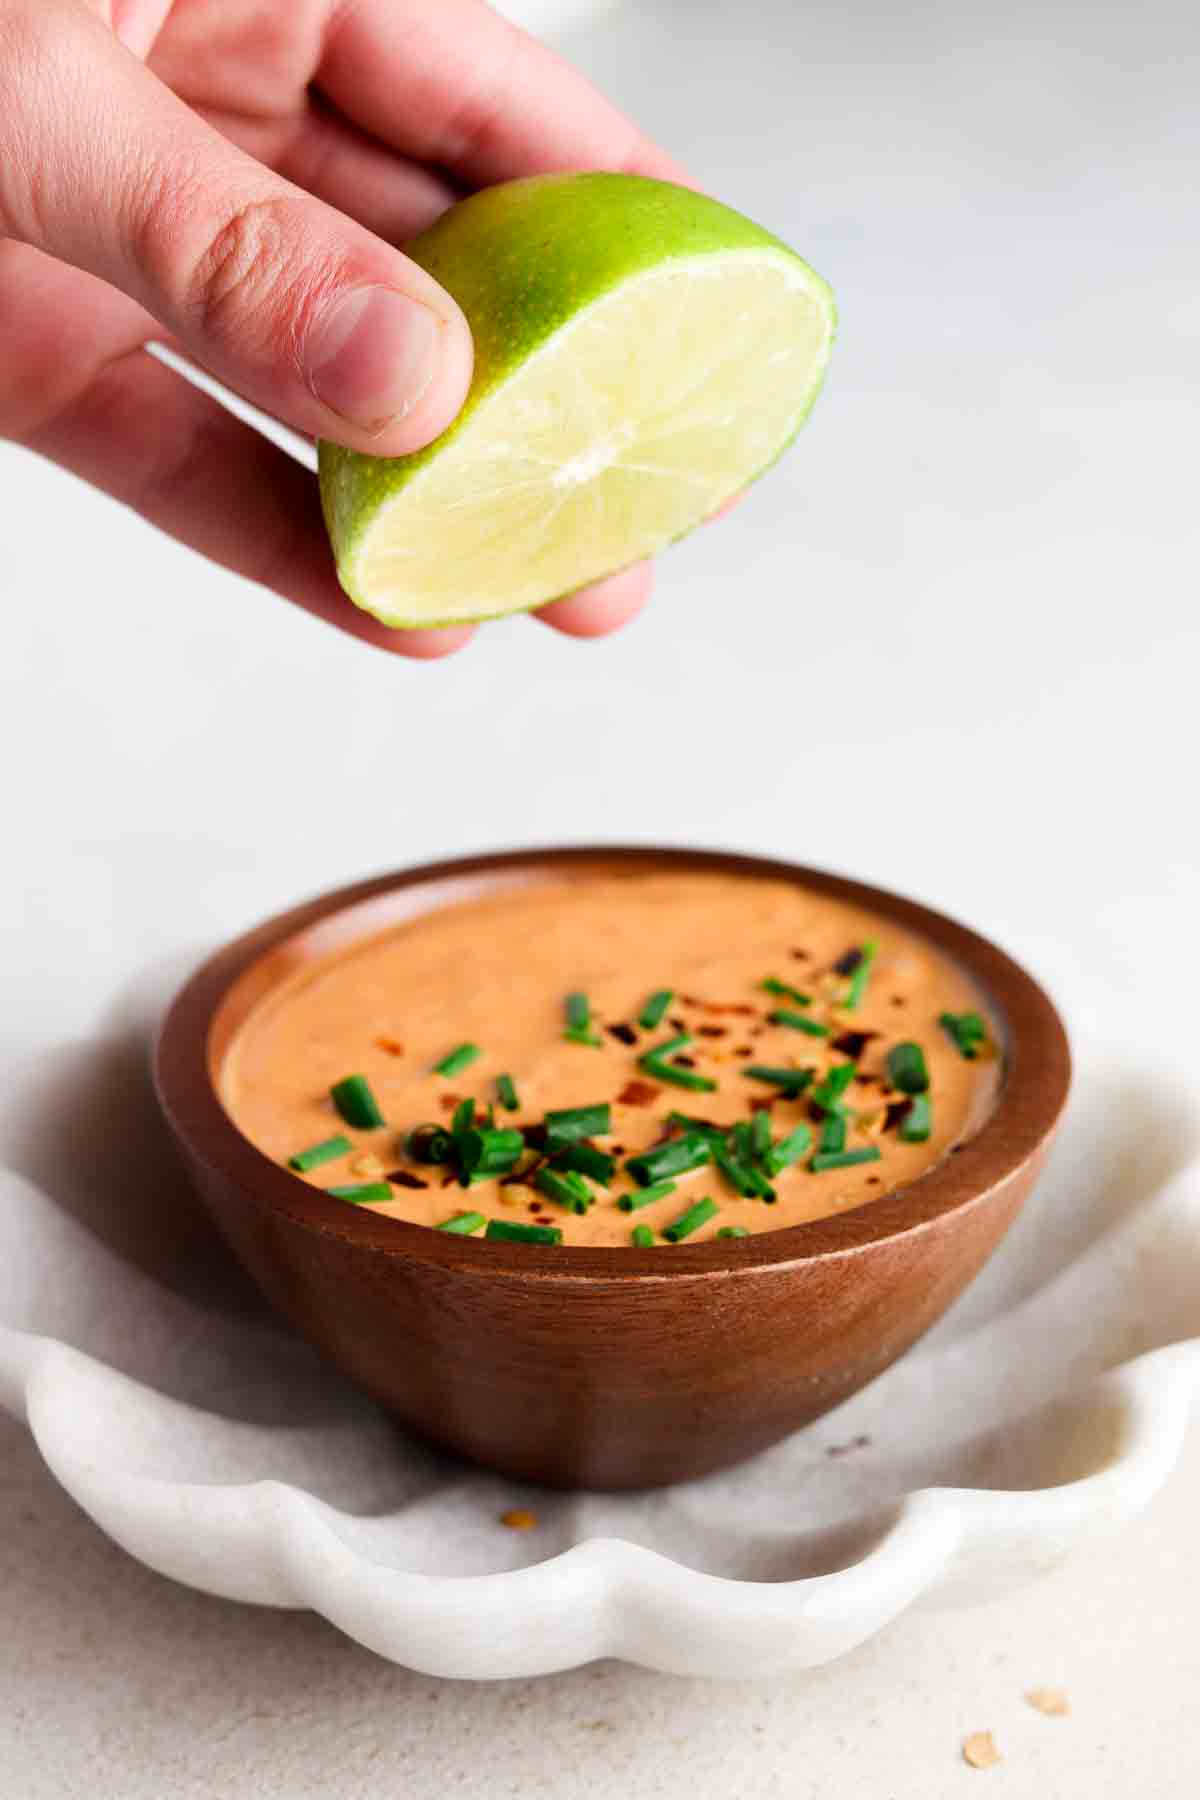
(458, 86)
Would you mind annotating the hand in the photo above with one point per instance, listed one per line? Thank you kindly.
(229, 179)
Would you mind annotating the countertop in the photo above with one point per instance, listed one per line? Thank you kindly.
(951, 645)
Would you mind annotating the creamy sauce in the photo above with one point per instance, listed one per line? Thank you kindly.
(496, 972)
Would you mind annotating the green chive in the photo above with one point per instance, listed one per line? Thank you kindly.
(784, 992)
(652, 1013)
(463, 1118)
(586, 1036)
(356, 1103)
(566, 1190)
(316, 1154)
(658, 1190)
(917, 1123)
(788, 1150)
(742, 1176)
(792, 1081)
(968, 1031)
(458, 1059)
(642, 1236)
(654, 1063)
(691, 1220)
(797, 1022)
(482, 1155)
(906, 1068)
(512, 1233)
(833, 1134)
(585, 1159)
(430, 1144)
(363, 1192)
(828, 1093)
(842, 1159)
(732, 1231)
(675, 1157)
(571, 1124)
(462, 1224)
(705, 1127)
(760, 1132)
(868, 951)
(507, 1093)
(579, 1021)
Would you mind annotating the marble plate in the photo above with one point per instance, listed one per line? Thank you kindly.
(1044, 1410)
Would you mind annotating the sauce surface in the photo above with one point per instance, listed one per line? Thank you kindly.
(496, 972)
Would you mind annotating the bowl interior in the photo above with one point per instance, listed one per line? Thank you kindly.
(210, 1011)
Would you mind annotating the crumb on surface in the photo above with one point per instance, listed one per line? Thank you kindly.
(519, 1518)
(1051, 1701)
(979, 1750)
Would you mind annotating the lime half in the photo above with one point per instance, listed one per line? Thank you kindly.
(641, 354)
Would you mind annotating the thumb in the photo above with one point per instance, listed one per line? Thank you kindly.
(294, 305)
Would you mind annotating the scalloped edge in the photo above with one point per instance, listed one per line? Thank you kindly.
(271, 1544)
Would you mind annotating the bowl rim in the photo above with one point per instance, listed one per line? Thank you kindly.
(1033, 1093)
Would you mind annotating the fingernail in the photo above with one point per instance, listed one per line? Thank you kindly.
(373, 355)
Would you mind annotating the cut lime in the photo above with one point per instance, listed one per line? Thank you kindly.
(641, 354)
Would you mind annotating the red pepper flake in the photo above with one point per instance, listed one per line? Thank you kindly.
(897, 1000)
(801, 955)
(685, 1062)
(897, 1110)
(449, 1180)
(763, 1102)
(624, 1034)
(744, 1050)
(405, 1178)
(853, 1043)
(712, 1031)
(638, 1093)
(745, 1012)
(848, 961)
(392, 1045)
(448, 1102)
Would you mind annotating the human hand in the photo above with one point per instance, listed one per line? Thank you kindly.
(230, 180)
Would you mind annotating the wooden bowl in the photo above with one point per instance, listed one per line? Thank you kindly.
(604, 1368)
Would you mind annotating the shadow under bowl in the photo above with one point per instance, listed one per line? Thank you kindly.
(602, 1368)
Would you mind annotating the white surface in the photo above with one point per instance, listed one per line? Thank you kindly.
(972, 583)
(238, 1465)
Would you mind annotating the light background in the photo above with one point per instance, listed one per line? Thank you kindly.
(951, 645)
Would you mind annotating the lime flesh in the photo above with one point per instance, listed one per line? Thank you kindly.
(642, 353)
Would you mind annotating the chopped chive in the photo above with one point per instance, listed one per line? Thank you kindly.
(833, 1134)
(967, 1030)
(918, 1120)
(585, 1159)
(741, 1140)
(675, 1157)
(842, 1159)
(571, 1124)
(642, 1236)
(566, 1189)
(906, 1068)
(430, 1144)
(462, 1223)
(484, 1154)
(463, 1118)
(356, 1103)
(654, 1063)
(507, 1093)
(363, 1192)
(861, 974)
(788, 1150)
(742, 1176)
(316, 1154)
(458, 1059)
(732, 1231)
(579, 1021)
(691, 1220)
(792, 1081)
(513, 1233)
(797, 1022)
(828, 1093)
(760, 1133)
(705, 1127)
(652, 1013)
(784, 992)
(658, 1190)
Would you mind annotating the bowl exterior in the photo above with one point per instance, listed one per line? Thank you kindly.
(632, 1382)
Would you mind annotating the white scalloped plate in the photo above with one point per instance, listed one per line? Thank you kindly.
(1045, 1409)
